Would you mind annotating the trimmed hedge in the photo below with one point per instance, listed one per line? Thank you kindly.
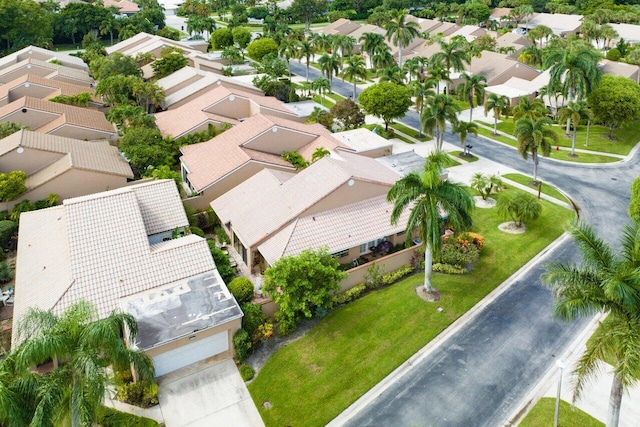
(109, 417)
(242, 289)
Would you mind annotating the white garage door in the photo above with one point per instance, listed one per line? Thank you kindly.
(191, 353)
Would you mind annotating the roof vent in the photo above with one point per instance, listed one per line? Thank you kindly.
(24, 110)
(274, 129)
(232, 98)
(20, 150)
(351, 182)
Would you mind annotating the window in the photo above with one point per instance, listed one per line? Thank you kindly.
(341, 254)
(365, 248)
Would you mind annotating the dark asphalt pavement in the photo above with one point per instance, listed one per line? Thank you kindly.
(479, 375)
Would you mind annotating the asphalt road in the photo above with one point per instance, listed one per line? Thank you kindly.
(479, 376)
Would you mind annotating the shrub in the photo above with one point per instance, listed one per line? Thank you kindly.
(396, 275)
(109, 417)
(634, 205)
(7, 230)
(261, 47)
(242, 344)
(448, 268)
(286, 325)
(263, 333)
(614, 55)
(246, 372)
(20, 207)
(373, 279)
(458, 254)
(221, 38)
(253, 316)
(222, 262)
(222, 236)
(6, 272)
(242, 289)
(295, 159)
(197, 231)
(138, 394)
(470, 237)
(349, 295)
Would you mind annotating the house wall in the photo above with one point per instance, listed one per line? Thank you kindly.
(67, 79)
(75, 132)
(35, 91)
(237, 109)
(32, 118)
(21, 71)
(232, 327)
(29, 161)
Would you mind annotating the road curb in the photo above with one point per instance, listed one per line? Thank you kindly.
(425, 351)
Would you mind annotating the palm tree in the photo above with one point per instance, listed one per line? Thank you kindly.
(605, 282)
(534, 136)
(463, 129)
(575, 112)
(319, 153)
(148, 95)
(401, 32)
(82, 346)
(108, 26)
(452, 55)
(321, 85)
(473, 90)
(370, 43)
(382, 58)
(441, 108)
(8, 128)
(412, 68)
(499, 105)
(355, 69)
(531, 55)
(436, 73)
(422, 92)
(288, 49)
(321, 42)
(427, 196)
(306, 50)
(329, 66)
(528, 109)
(391, 74)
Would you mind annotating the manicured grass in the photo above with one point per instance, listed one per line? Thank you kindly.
(627, 137)
(466, 159)
(464, 105)
(542, 414)
(546, 188)
(323, 100)
(558, 155)
(312, 380)
(410, 131)
(335, 96)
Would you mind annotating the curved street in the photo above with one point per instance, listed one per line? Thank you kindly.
(481, 373)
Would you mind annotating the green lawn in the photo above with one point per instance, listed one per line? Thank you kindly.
(542, 414)
(464, 105)
(627, 137)
(312, 380)
(546, 189)
(559, 155)
(409, 131)
(323, 100)
(456, 154)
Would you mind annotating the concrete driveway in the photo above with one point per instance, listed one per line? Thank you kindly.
(207, 394)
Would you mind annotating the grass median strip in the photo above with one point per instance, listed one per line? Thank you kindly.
(312, 380)
(547, 189)
(543, 412)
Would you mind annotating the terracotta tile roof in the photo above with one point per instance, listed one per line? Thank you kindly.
(57, 87)
(43, 55)
(76, 116)
(339, 229)
(124, 6)
(144, 42)
(492, 65)
(273, 205)
(97, 248)
(54, 70)
(209, 161)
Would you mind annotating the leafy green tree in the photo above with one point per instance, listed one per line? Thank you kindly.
(520, 207)
(355, 69)
(24, 23)
(440, 110)
(473, 90)
(634, 205)
(534, 136)
(272, 66)
(168, 63)
(615, 101)
(117, 90)
(575, 112)
(82, 346)
(348, 114)
(75, 20)
(485, 185)
(400, 31)
(116, 64)
(241, 37)
(257, 49)
(497, 104)
(387, 101)
(298, 284)
(7, 231)
(426, 195)
(222, 262)
(145, 147)
(9, 128)
(80, 100)
(222, 38)
(606, 281)
(308, 9)
(128, 116)
(12, 185)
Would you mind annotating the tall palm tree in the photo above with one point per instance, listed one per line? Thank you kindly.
(605, 282)
(288, 49)
(400, 31)
(531, 55)
(463, 129)
(422, 92)
(355, 69)
(370, 43)
(382, 58)
(473, 89)
(148, 95)
(391, 74)
(528, 109)
(575, 112)
(329, 64)
(440, 110)
(427, 196)
(81, 346)
(534, 136)
(306, 50)
(499, 105)
(321, 42)
(321, 85)
(412, 68)
(436, 73)
(452, 56)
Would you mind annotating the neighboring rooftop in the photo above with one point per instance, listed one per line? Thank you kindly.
(124, 6)
(45, 55)
(362, 140)
(403, 163)
(42, 88)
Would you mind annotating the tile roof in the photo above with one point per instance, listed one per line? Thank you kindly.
(97, 156)
(97, 248)
(629, 32)
(124, 6)
(339, 229)
(55, 70)
(77, 116)
(559, 23)
(44, 55)
(209, 161)
(262, 205)
(493, 64)
(362, 140)
(57, 87)
(616, 68)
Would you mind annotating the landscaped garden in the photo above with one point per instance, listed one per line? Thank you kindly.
(546, 189)
(358, 344)
(543, 412)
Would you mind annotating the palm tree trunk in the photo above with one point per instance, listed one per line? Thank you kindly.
(534, 157)
(399, 55)
(495, 124)
(573, 141)
(428, 268)
(615, 400)
(354, 89)
(307, 70)
(471, 113)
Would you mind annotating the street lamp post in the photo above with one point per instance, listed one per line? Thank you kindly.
(560, 363)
